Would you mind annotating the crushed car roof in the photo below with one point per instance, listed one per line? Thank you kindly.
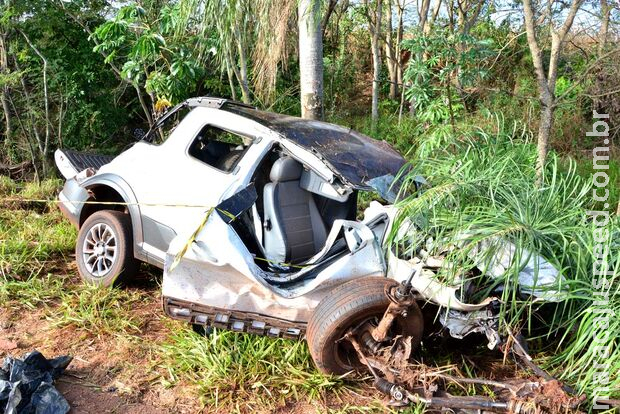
(361, 161)
(357, 158)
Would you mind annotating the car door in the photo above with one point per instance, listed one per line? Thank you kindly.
(175, 187)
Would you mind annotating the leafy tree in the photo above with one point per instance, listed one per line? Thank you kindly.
(152, 53)
(54, 91)
(547, 78)
(438, 61)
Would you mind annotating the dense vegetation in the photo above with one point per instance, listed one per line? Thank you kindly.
(90, 74)
(474, 92)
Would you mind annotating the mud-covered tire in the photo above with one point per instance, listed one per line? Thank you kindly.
(346, 307)
(104, 249)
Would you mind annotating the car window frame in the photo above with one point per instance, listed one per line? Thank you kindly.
(235, 170)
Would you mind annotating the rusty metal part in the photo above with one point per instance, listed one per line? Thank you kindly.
(400, 301)
(369, 342)
(484, 405)
(519, 348)
(397, 393)
(387, 360)
(524, 398)
(401, 395)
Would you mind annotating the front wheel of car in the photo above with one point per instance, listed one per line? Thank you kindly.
(104, 248)
(351, 306)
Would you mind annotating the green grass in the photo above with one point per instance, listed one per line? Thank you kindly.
(32, 235)
(242, 371)
(371, 408)
(99, 311)
(7, 186)
(32, 292)
(586, 170)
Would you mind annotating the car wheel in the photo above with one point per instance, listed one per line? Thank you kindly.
(104, 248)
(350, 305)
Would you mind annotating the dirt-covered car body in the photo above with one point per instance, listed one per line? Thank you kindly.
(252, 215)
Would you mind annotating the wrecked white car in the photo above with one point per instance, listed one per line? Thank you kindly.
(253, 217)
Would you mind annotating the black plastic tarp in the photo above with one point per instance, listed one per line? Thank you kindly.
(26, 385)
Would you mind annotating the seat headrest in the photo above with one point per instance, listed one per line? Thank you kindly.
(285, 169)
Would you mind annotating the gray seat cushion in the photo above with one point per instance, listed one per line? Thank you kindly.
(294, 229)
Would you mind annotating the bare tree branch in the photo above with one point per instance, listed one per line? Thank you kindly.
(45, 147)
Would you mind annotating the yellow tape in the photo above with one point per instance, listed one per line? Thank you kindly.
(192, 238)
(281, 264)
(111, 203)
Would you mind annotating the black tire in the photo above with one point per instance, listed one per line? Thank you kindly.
(118, 266)
(347, 306)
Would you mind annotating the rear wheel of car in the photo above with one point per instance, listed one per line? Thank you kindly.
(104, 248)
(352, 305)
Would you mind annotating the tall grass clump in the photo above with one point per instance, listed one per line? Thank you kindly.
(31, 292)
(482, 192)
(31, 233)
(242, 372)
(99, 311)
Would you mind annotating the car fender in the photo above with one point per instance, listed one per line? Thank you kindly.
(124, 189)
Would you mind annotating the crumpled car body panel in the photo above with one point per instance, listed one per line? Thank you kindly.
(218, 271)
(354, 156)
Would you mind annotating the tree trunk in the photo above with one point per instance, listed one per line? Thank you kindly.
(546, 81)
(399, 40)
(231, 80)
(331, 6)
(45, 145)
(35, 155)
(424, 25)
(391, 54)
(5, 92)
(310, 59)
(602, 35)
(428, 24)
(544, 132)
(243, 67)
(375, 31)
(423, 13)
(602, 42)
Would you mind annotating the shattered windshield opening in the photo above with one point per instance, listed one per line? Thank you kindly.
(165, 125)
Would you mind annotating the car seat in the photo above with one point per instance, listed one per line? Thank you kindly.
(293, 228)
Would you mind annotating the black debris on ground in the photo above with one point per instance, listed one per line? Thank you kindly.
(27, 385)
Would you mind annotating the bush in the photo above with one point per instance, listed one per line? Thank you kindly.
(482, 189)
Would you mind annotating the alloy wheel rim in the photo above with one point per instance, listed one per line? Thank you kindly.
(99, 249)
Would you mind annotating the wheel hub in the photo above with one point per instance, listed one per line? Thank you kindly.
(99, 249)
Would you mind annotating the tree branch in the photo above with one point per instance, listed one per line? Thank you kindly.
(585, 73)
(115, 69)
(528, 18)
(45, 148)
(331, 6)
